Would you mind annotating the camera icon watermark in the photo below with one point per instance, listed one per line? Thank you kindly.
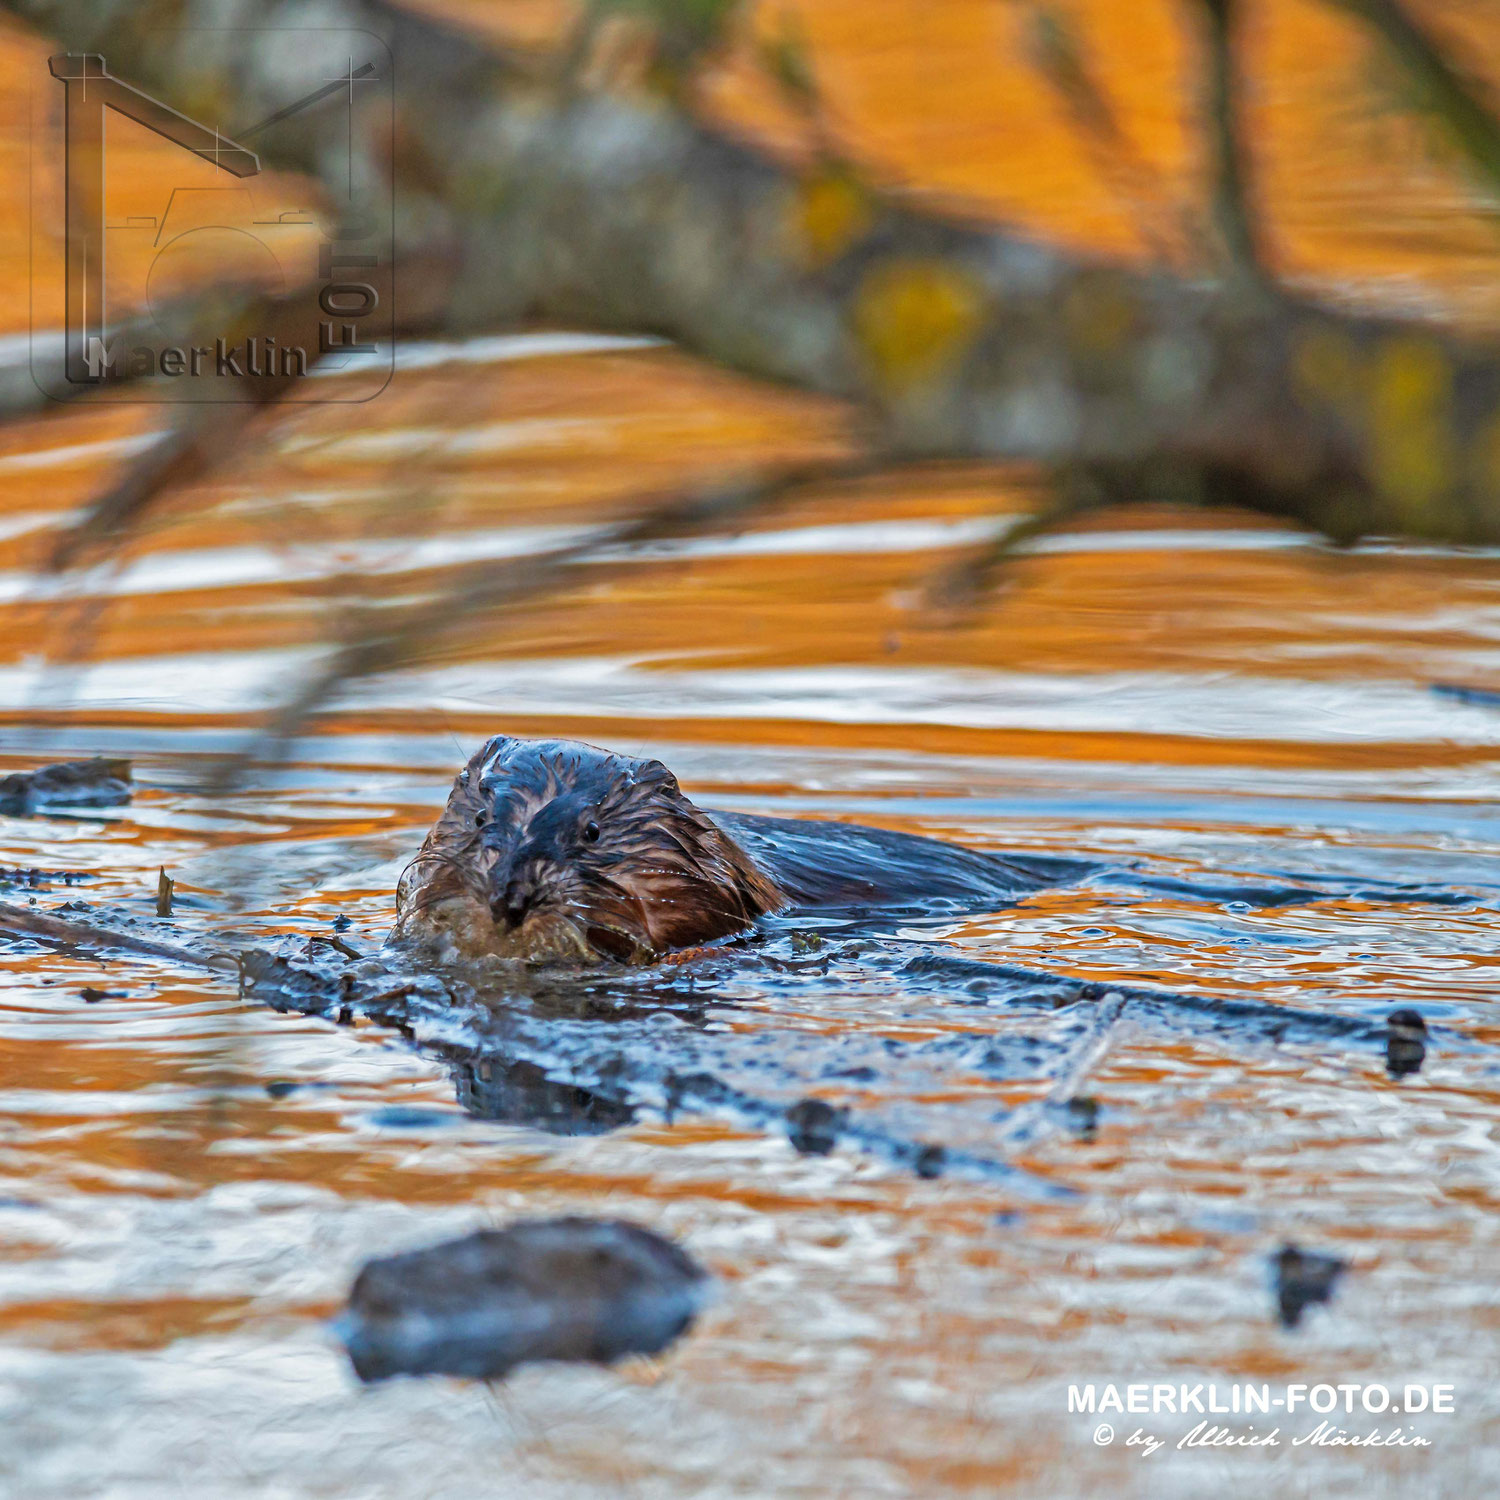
(170, 264)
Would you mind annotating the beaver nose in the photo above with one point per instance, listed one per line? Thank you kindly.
(517, 901)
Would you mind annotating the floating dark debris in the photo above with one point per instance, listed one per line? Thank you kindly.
(1081, 1115)
(1303, 1277)
(91, 996)
(1405, 1043)
(930, 1161)
(412, 1117)
(1479, 697)
(338, 945)
(576, 1289)
(38, 880)
(69, 784)
(813, 1126)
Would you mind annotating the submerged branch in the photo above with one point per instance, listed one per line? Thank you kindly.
(79, 933)
(558, 1035)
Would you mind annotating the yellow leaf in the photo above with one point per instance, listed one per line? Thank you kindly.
(832, 212)
(1411, 427)
(915, 318)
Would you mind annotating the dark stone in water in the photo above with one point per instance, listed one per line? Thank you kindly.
(813, 1126)
(1405, 1042)
(591, 1290)
(860, 1074)
(930, 1162)
(1303, 1277)
(1081, 1116)
(70, 783)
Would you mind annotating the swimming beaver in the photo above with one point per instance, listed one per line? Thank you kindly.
(554, 851)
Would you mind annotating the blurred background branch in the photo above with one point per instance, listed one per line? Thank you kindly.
(1234, 215)
(1441, 85)
(1063, 59)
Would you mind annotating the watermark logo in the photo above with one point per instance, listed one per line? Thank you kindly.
(1260, 1416)
(169, 263)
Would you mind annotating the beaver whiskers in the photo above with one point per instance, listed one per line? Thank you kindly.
(430, 890)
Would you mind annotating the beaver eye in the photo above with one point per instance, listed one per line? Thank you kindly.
(591, 832)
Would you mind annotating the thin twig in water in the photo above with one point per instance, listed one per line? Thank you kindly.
(1061, 60)
(1035, 1118)
(392, 643)
(1076, 490)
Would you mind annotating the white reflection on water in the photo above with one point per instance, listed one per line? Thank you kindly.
(195, 569)
(1198, 705)
(57, 457)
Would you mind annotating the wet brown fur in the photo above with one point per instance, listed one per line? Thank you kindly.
(553, 851)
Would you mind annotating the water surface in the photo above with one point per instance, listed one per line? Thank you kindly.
(188, 1182)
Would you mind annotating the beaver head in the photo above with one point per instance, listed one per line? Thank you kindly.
(550, 850)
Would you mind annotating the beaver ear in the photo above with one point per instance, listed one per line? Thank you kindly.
(655, 776)
(489, 751)
(470, 774)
